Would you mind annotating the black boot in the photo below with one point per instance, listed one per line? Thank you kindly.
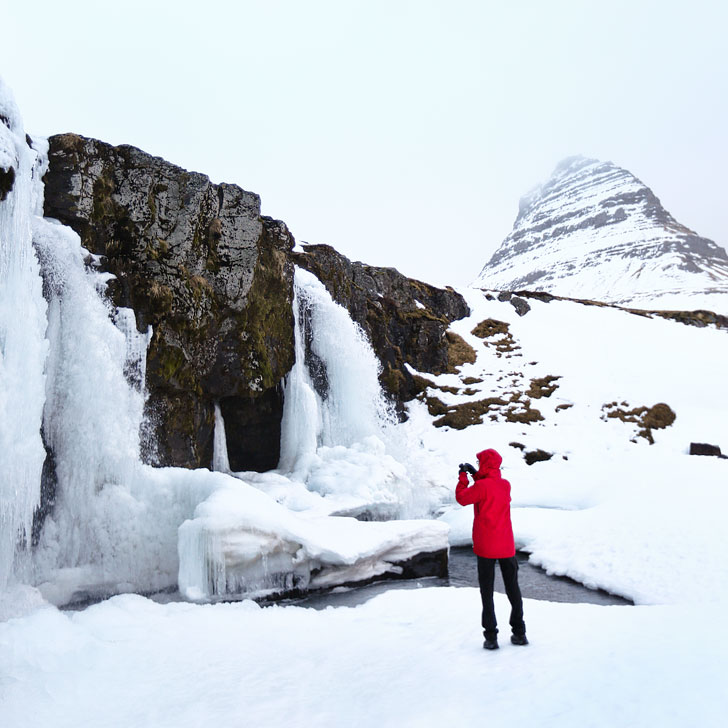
(490, 644)
(519, 639)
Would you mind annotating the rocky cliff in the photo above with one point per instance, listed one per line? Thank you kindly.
(593, 230)
(198, 263)
(213, 278)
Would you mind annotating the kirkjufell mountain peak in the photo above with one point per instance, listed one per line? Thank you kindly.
(594, 230)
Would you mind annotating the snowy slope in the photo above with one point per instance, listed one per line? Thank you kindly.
(608, 508)
(595, 231)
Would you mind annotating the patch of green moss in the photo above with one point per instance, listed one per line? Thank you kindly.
(170, 365)
(647, 419)
(436, 407)
(461, 416)
(491, 327)
(266, 323)
(459, 352)
(392, 379)
(421, 383)
(156, 249)
(523, 413)
(109, 221)
(542, 386)
(505, 345)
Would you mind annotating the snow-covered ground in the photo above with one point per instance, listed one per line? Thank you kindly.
(644, 521)
(406, 658)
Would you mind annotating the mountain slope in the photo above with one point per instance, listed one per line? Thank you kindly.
(594, 230)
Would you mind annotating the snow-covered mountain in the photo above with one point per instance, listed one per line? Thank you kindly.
(595, 231)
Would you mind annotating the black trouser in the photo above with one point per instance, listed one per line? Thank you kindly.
(486, 577)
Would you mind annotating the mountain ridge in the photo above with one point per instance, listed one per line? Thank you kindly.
(594, 230)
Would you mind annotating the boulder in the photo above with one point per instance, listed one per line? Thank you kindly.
(702, 448)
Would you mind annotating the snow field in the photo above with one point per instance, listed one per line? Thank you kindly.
(405, 658)
(642, 521)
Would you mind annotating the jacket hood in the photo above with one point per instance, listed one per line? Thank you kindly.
(489, 460)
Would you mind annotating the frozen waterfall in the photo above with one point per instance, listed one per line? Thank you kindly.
(332, 396)
(22, 344)
(72, 396)
(338, 433)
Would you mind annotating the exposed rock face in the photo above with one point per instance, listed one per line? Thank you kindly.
(198, 263)
(405, 319)
(595, 231)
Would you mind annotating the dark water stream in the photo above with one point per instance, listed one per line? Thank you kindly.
(535, 583)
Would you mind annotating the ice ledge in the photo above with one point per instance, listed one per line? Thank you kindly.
(241, 543)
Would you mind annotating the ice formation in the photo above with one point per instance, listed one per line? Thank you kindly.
(333, 396)
(73, 367)
(220, 461)
(334, 463)
(338, 434)
(241, 542)
(22, 344)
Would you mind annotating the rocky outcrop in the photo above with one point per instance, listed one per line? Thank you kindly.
(405, 319)
(594, 230)
(198, 263)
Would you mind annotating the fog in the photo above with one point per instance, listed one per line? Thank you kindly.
(403, 133)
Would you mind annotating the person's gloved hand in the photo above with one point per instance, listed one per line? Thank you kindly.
(467, 468)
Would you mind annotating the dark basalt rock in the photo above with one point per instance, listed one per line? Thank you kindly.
(7, 180)
(537, 456)
(522, 308)
(703, 448)
(198, 263)
(385, 304)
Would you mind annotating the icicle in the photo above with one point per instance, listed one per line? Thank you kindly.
(220, 461)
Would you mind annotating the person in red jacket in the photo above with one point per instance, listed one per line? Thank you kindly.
(493, 541)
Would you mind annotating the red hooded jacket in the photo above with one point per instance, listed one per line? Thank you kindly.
(491, 496)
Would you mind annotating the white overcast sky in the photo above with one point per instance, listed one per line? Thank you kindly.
(402, 133)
